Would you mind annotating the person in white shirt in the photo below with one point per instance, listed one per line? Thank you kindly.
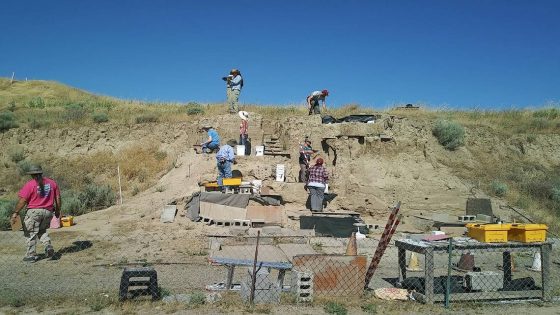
(314, 99)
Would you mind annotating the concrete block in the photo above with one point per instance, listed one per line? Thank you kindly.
(484, 218)
(270, 214)
(486, 281)
(168, 214)
(466, 218)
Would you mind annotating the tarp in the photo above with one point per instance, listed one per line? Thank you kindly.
(335, 226)
(351, 118)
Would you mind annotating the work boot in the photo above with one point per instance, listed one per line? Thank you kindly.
(49, 251)
(31, 259)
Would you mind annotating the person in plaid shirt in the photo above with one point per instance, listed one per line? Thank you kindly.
(316, 183)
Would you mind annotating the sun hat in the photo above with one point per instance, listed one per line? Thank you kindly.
(234, 71)
(325, 92)
(244, 115)
(232, 142)
(206, 126)
(35, 169)
(319, 161)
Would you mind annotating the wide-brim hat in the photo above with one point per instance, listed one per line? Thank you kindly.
(34, 169)
(244, 115)
(206, 126)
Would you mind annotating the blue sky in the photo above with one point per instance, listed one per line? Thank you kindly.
(488, 54)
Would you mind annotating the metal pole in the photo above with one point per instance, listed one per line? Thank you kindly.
(448, 287)
(254, 278)
(120, 189)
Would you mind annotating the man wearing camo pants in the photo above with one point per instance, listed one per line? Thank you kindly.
(42, 197)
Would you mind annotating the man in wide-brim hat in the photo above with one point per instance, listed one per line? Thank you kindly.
(42, 197)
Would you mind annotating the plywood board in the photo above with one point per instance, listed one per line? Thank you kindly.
(270, 214)
(221, 212)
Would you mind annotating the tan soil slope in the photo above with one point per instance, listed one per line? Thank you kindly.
(368, 173)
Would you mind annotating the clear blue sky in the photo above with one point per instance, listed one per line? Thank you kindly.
(460, 53)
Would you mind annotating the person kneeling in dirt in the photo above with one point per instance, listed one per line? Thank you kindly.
(316, 184)
(42, 196)
(224, 159)
(213, 142)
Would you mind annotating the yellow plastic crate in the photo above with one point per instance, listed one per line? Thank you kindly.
(489, 233)
(527, 233)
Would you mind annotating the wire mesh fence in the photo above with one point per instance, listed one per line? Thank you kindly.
(269, 265)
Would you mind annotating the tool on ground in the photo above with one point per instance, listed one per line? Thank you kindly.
(254, 277)
(390, 228)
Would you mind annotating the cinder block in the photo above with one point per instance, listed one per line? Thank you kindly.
(466, 218)
(257, 222)
(484, 218)
(486, 281)
(239, 222)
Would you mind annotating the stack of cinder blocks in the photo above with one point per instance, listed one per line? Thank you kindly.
(302, 285)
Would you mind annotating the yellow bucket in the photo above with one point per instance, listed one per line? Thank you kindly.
(67, 221)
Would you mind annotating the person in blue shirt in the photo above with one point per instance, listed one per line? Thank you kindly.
(213, 142)
(224, 158)
(234, 84)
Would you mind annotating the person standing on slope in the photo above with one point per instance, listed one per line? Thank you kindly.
(42, 197)
(234, 84)
(314, 99)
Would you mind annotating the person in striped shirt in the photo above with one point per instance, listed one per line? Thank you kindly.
(316, 184)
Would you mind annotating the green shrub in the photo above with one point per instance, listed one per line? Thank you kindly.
(23, 167)
(93, 197)
(449, 134)
(540, 123)
(17, 155)
(531, 138)
(499, 189)
(194, 109)
(100, 118)
(96, 197)
(12, 106)
(7, 121)
(6, 209)
(555, 193)
(369, 308)
(147, 118)
(197, 298)
(36, 102)
(549, 113)
(74, 112)
(335, 308)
